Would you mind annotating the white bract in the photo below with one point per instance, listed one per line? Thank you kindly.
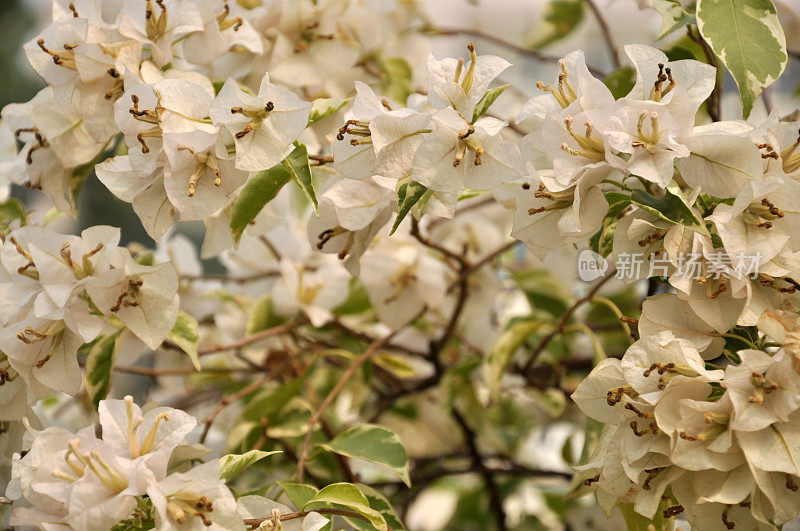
(362, 204)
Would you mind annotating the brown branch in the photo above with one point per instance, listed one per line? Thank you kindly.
(424, 240)
(174, 371)
(255, 522)
(254, 338)
(315, 418)
(227, 278)
(714, 104)
(559, 328)
(225, 401)
(322, 159)
(489, 257)
(478, 34)
(495, 499)
(609, 39)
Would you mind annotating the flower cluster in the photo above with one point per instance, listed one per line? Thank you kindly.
(357, 190)
(80, 481)
(722, 440)
(61, 292)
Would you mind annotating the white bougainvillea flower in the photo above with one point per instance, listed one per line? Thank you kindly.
(577, 144)
(763, 389)
(101, 70)
(667, 312)
(52, 55)
(378, 137)
(723, 159)
(461, 84)
(350, 215)
(353, 151)
(143, 297)
(225, 26)
(150, 437)
(196, 499)
(401, 280)
(649, 134)
(201, 177)
(458, 154)
(147, 194)
(680, 86)
(763, 221)
(159, 24)
(702, 437)
(263, 126)
(650, 364)
(311, 42)
(315, 292)
(44, 354)
(545, 220)
(604, 393)
(773, 449)
(45, 476)
(576, 89)
(783, 327)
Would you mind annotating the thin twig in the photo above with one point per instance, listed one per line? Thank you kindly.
(478, 34)
(495, 499)
(223, 277)
(322, 159)
(255, 522)
(565, 318)
(264, 334)
(435, 246)
(714, 104)
(606, 29)
(372, 349)
(489, 257)
(175, 371)
(225, 401)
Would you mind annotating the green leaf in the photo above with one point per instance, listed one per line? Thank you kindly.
(674, 15)
(185, 335)
(324, 107)
(357, 301)
(397, 76)
(299, 493)
(395, 365)
(407, 196)
(636, 522)
(603, 240)
(267, 403)
(503, 349)
(232, 465)
(621, 81)
(378, 502)
(671, 207)
(375, 444)
(486, 101)
(259, 190)
(552, 401)
(747, 37)
(262, 316)
(99, 366)
(296, 164)
(11, 209)
(560, 19)
(347, 495)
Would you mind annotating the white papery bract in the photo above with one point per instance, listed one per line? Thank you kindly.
(79, 481)
(205, 110)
